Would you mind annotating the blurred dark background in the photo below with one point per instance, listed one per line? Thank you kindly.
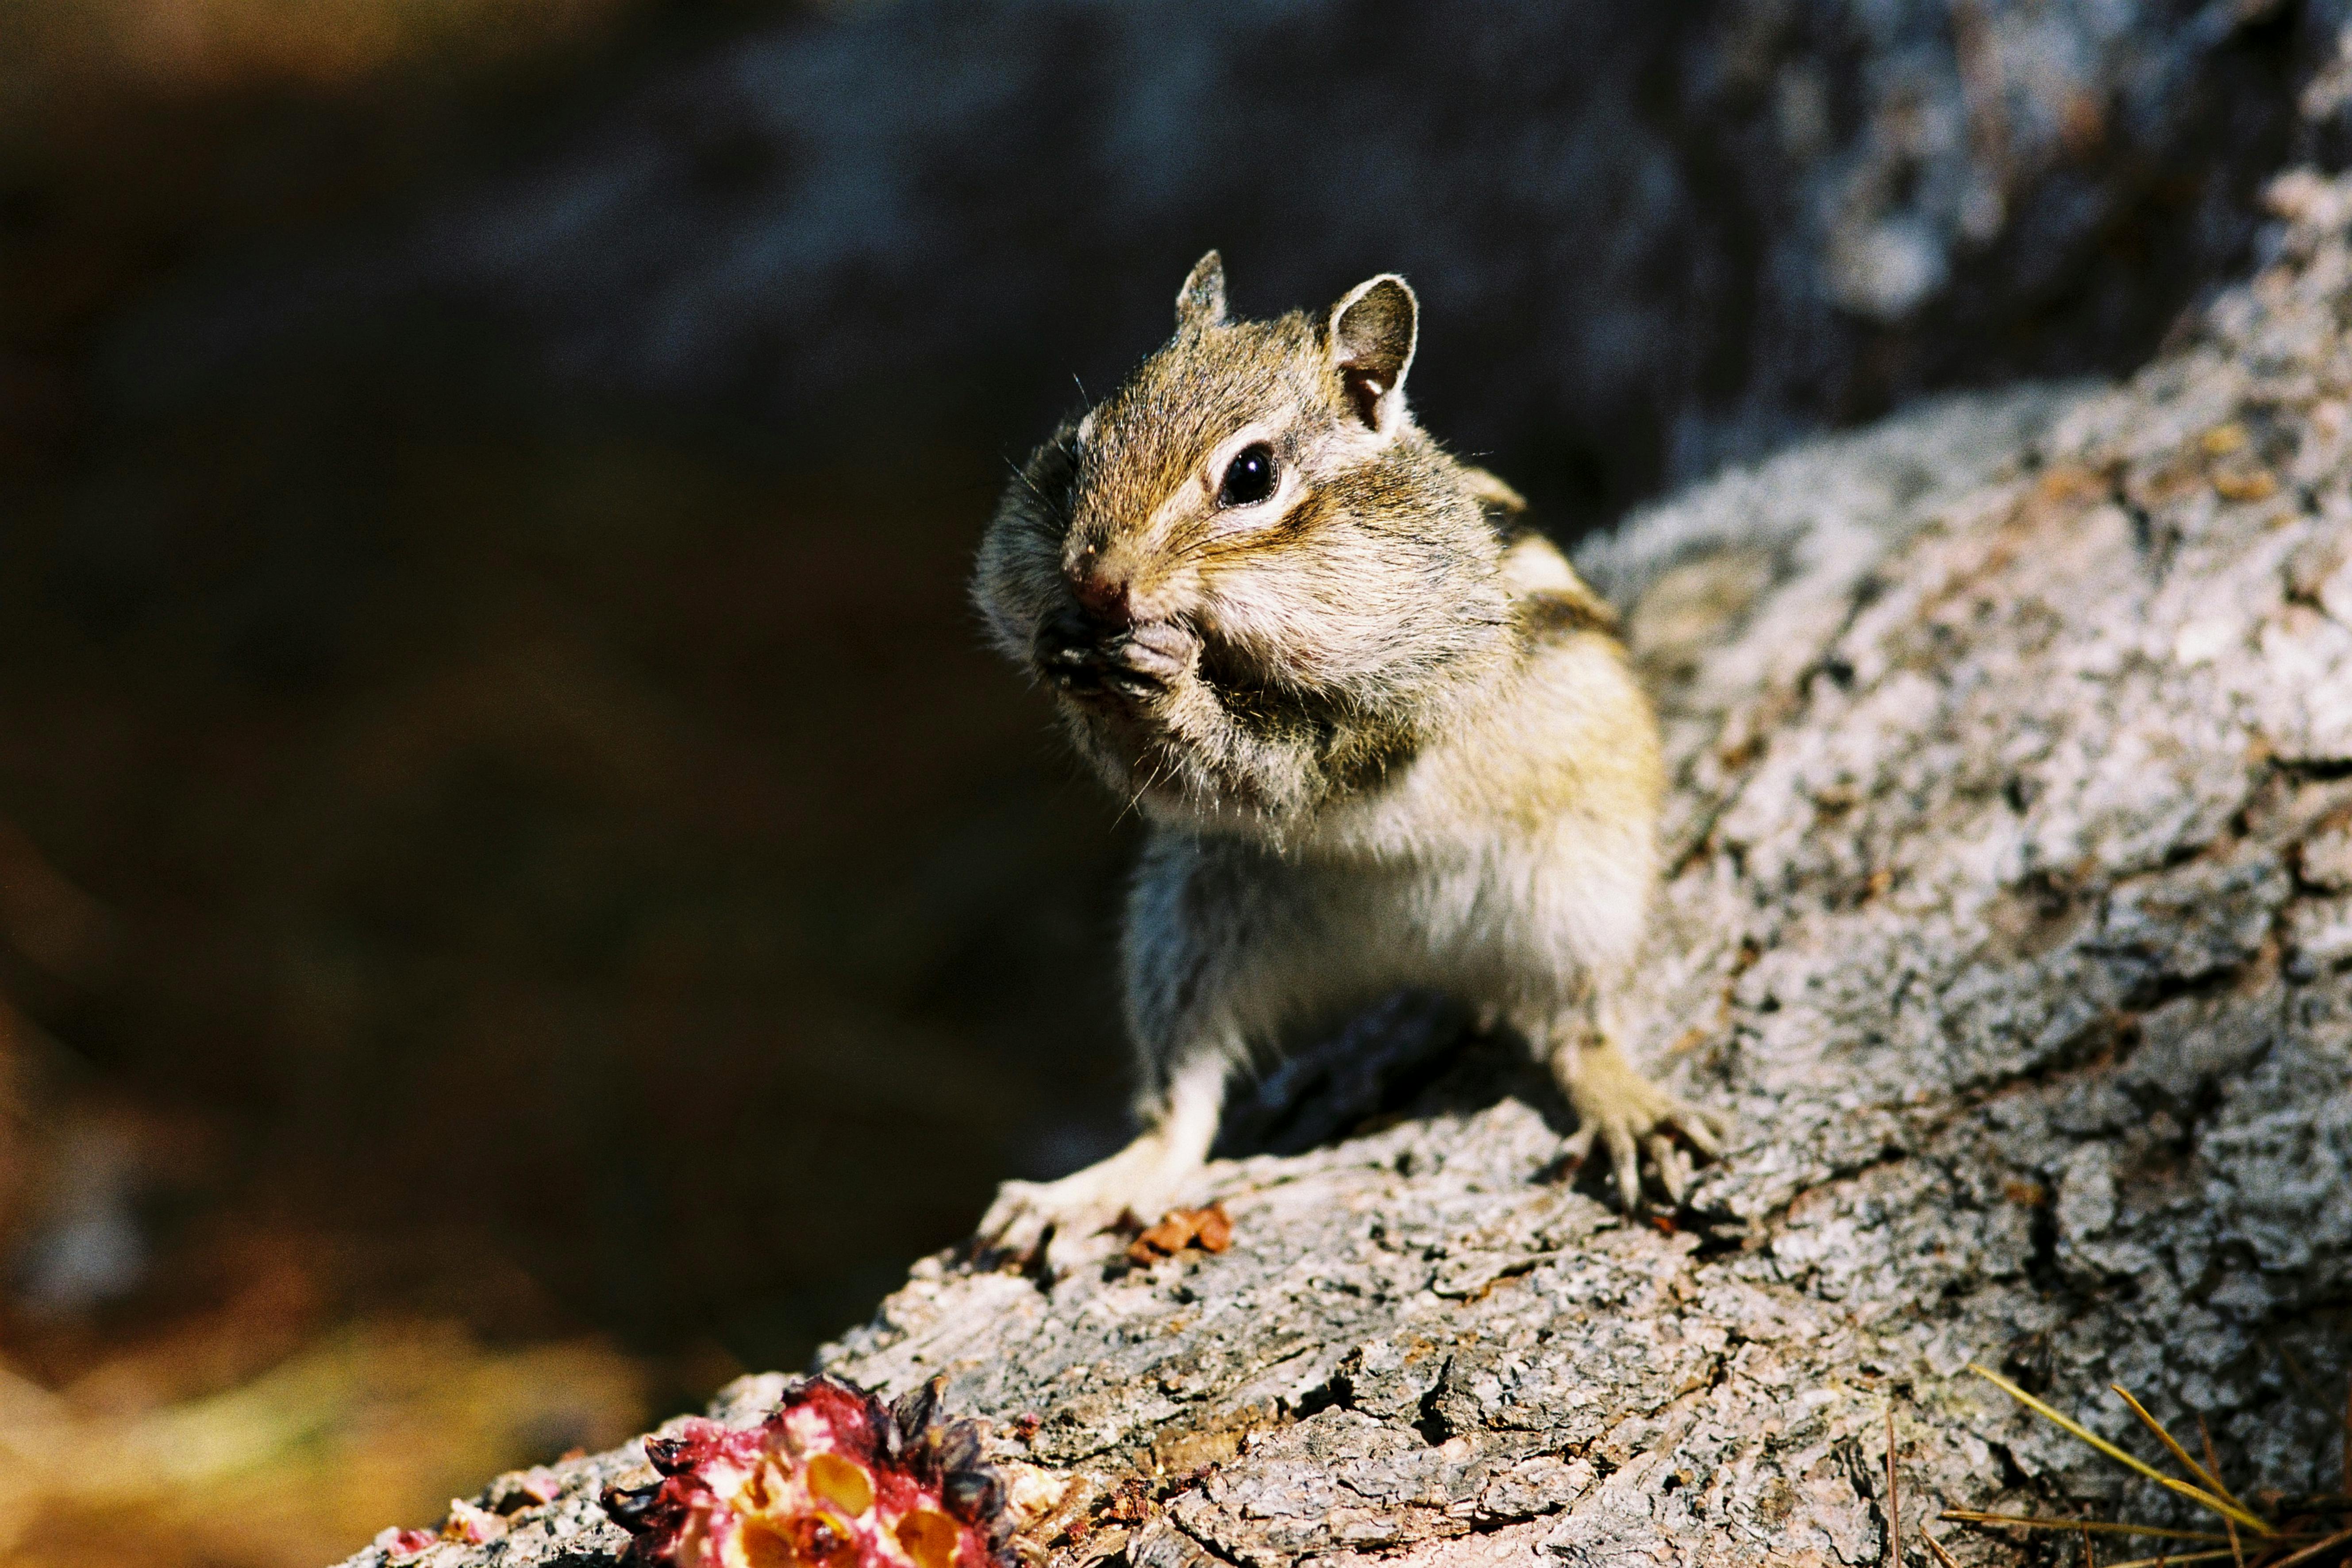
(521, 893)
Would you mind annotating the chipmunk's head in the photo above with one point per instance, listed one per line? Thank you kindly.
(1250, 533)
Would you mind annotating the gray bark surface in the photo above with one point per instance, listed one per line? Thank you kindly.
(2009, 906)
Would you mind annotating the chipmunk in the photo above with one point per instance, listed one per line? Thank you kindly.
(1384, 734)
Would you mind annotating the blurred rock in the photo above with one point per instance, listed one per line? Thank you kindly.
(87, 1250)
(1650, 237)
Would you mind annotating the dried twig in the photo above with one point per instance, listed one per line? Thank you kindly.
(2339, 1538)
(2214, 1464)
(1894, 1508)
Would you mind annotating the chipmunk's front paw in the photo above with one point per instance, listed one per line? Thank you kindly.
(1150, 660)
(1065, 1219)
(1049, 1218)
(1629, 1114)
(1068, 653)
(1089, 661)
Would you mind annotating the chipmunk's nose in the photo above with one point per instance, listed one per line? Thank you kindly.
(1103, 594)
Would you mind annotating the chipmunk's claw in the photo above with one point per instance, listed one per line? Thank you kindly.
(1629, 1115)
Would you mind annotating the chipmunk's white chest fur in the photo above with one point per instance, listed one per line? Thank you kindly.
(1510, 866)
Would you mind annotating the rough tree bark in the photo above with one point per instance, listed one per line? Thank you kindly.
(2009, 906)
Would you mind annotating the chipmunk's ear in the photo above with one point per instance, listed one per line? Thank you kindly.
(1373, 328)
(1202, 302)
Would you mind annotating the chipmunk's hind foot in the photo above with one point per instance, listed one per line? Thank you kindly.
(1632, 1117)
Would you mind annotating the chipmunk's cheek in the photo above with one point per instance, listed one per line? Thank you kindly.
(1245, 610)
(1257, 627)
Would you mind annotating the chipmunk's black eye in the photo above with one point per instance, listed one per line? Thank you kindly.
(1249, 477)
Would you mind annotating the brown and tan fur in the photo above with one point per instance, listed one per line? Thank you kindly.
(1384, 737)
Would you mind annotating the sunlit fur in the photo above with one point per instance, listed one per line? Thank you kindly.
(1384, 738)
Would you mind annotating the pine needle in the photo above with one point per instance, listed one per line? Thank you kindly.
(2230, 1512)
(2197, 1472)
(2301, 1536)
(2031, 1521)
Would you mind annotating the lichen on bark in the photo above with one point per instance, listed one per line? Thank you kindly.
(2009, 907)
